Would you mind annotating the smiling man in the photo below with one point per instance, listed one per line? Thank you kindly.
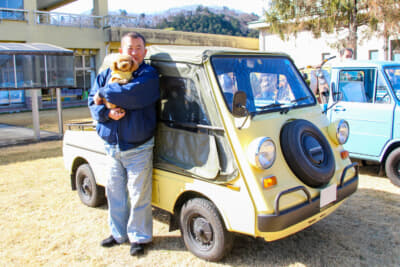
(128, 132)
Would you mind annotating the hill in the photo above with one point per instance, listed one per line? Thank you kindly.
(201, 19)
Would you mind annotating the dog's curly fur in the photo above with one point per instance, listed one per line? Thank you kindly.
(121, 72)
(122, 69)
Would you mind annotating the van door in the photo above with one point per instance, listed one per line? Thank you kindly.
(365, 102)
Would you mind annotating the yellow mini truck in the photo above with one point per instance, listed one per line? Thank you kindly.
(242, 146)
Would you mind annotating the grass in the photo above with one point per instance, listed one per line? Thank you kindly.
(43, 223)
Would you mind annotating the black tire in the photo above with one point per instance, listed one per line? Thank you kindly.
(89, 192)
(203, 231)
(392, 167)
(308, 153)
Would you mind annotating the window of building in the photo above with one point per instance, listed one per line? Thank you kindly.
(396, 56)
(7, 80)
(325, 56)
(373, 54)
(85, 74)
(11, 14)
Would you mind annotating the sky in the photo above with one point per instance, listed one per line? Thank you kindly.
(156, 6)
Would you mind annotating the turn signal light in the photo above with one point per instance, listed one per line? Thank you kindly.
(344, 154)
(269, 181)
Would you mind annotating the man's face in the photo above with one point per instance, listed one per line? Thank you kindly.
(133, 47)
(347, 54)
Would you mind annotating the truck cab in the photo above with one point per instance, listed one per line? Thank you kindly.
(241, 147)
(367, 95)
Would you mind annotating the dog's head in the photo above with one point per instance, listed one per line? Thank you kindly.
(124, 63)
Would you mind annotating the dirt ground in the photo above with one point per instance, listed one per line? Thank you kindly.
(43, 223)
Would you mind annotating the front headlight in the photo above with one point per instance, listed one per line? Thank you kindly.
(262, 152)
(339, 131)
(342, 133)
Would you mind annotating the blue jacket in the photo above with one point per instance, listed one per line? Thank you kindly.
(138, 98)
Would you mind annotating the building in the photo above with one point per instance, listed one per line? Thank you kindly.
(91, 37)
(307, 50)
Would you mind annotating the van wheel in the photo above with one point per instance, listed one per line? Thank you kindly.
(307, 152)
(392, 167)
(89, 192)
(203, 231)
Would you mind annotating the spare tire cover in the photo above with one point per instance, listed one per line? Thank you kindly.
(307, 152)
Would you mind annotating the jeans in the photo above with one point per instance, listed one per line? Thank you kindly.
(129, 189)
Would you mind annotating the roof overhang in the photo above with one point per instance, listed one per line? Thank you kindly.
(48, 5)
(257, 25)
(33, 49)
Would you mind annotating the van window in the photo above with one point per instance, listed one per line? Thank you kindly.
(357, 85)
(182, 145)
(180, 102)
(393, 75)
(382, 91)
(271, 83)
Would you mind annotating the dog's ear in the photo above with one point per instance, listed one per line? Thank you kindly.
(114, 65)
(134, 66)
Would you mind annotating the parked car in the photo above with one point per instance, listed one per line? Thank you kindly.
(367, 95)
(241, 147)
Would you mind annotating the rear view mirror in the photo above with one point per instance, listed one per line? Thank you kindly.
(239, 104)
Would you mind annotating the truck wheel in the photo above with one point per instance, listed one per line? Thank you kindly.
(392, 167)
(89, 192)
(203, 231)
(307, 152)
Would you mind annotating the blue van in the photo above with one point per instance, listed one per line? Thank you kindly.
(367, 95)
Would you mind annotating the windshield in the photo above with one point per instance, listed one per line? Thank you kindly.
(393, 75)
(271, 83)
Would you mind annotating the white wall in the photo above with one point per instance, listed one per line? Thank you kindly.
(306, 50)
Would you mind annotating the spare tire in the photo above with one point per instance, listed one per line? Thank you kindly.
(307, 152)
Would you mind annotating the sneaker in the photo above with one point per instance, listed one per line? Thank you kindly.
(109, 242)
(136, 249)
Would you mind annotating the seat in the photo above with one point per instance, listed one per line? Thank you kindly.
(353, 91)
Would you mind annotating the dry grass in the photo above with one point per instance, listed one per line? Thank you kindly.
(43, 223)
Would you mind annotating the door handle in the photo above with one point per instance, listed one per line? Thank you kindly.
(339, 109)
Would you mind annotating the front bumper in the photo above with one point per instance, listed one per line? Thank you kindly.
(281, 220)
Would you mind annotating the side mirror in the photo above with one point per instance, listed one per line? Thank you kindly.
(239, 104)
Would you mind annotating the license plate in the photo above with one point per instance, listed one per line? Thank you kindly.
(328, 195)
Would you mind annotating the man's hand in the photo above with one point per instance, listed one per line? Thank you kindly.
(116, 113)
(97, 99)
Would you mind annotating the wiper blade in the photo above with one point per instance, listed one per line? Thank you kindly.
(300, 99)
(272, 105)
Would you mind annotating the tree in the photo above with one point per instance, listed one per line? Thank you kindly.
(288, 17)
(384, 13)
(206, 21)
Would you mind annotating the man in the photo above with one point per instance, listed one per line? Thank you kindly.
(346, 53)
(128, 132)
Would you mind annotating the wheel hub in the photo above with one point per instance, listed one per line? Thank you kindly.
(202, 230)
(86, 186)
(313, 149)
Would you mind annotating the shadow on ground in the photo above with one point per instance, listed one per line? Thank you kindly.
(363, 231)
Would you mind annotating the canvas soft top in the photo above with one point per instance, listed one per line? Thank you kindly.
(194, 54)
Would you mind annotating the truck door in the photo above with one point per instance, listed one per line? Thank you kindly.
(365, 102)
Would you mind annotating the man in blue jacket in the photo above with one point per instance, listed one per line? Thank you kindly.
(128, 131)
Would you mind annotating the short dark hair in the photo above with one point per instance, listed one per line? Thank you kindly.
(346, 49)
(134, 35)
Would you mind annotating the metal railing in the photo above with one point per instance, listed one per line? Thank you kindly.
(13, 14)
(120, 21)
(84, 21)
(68, 20)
